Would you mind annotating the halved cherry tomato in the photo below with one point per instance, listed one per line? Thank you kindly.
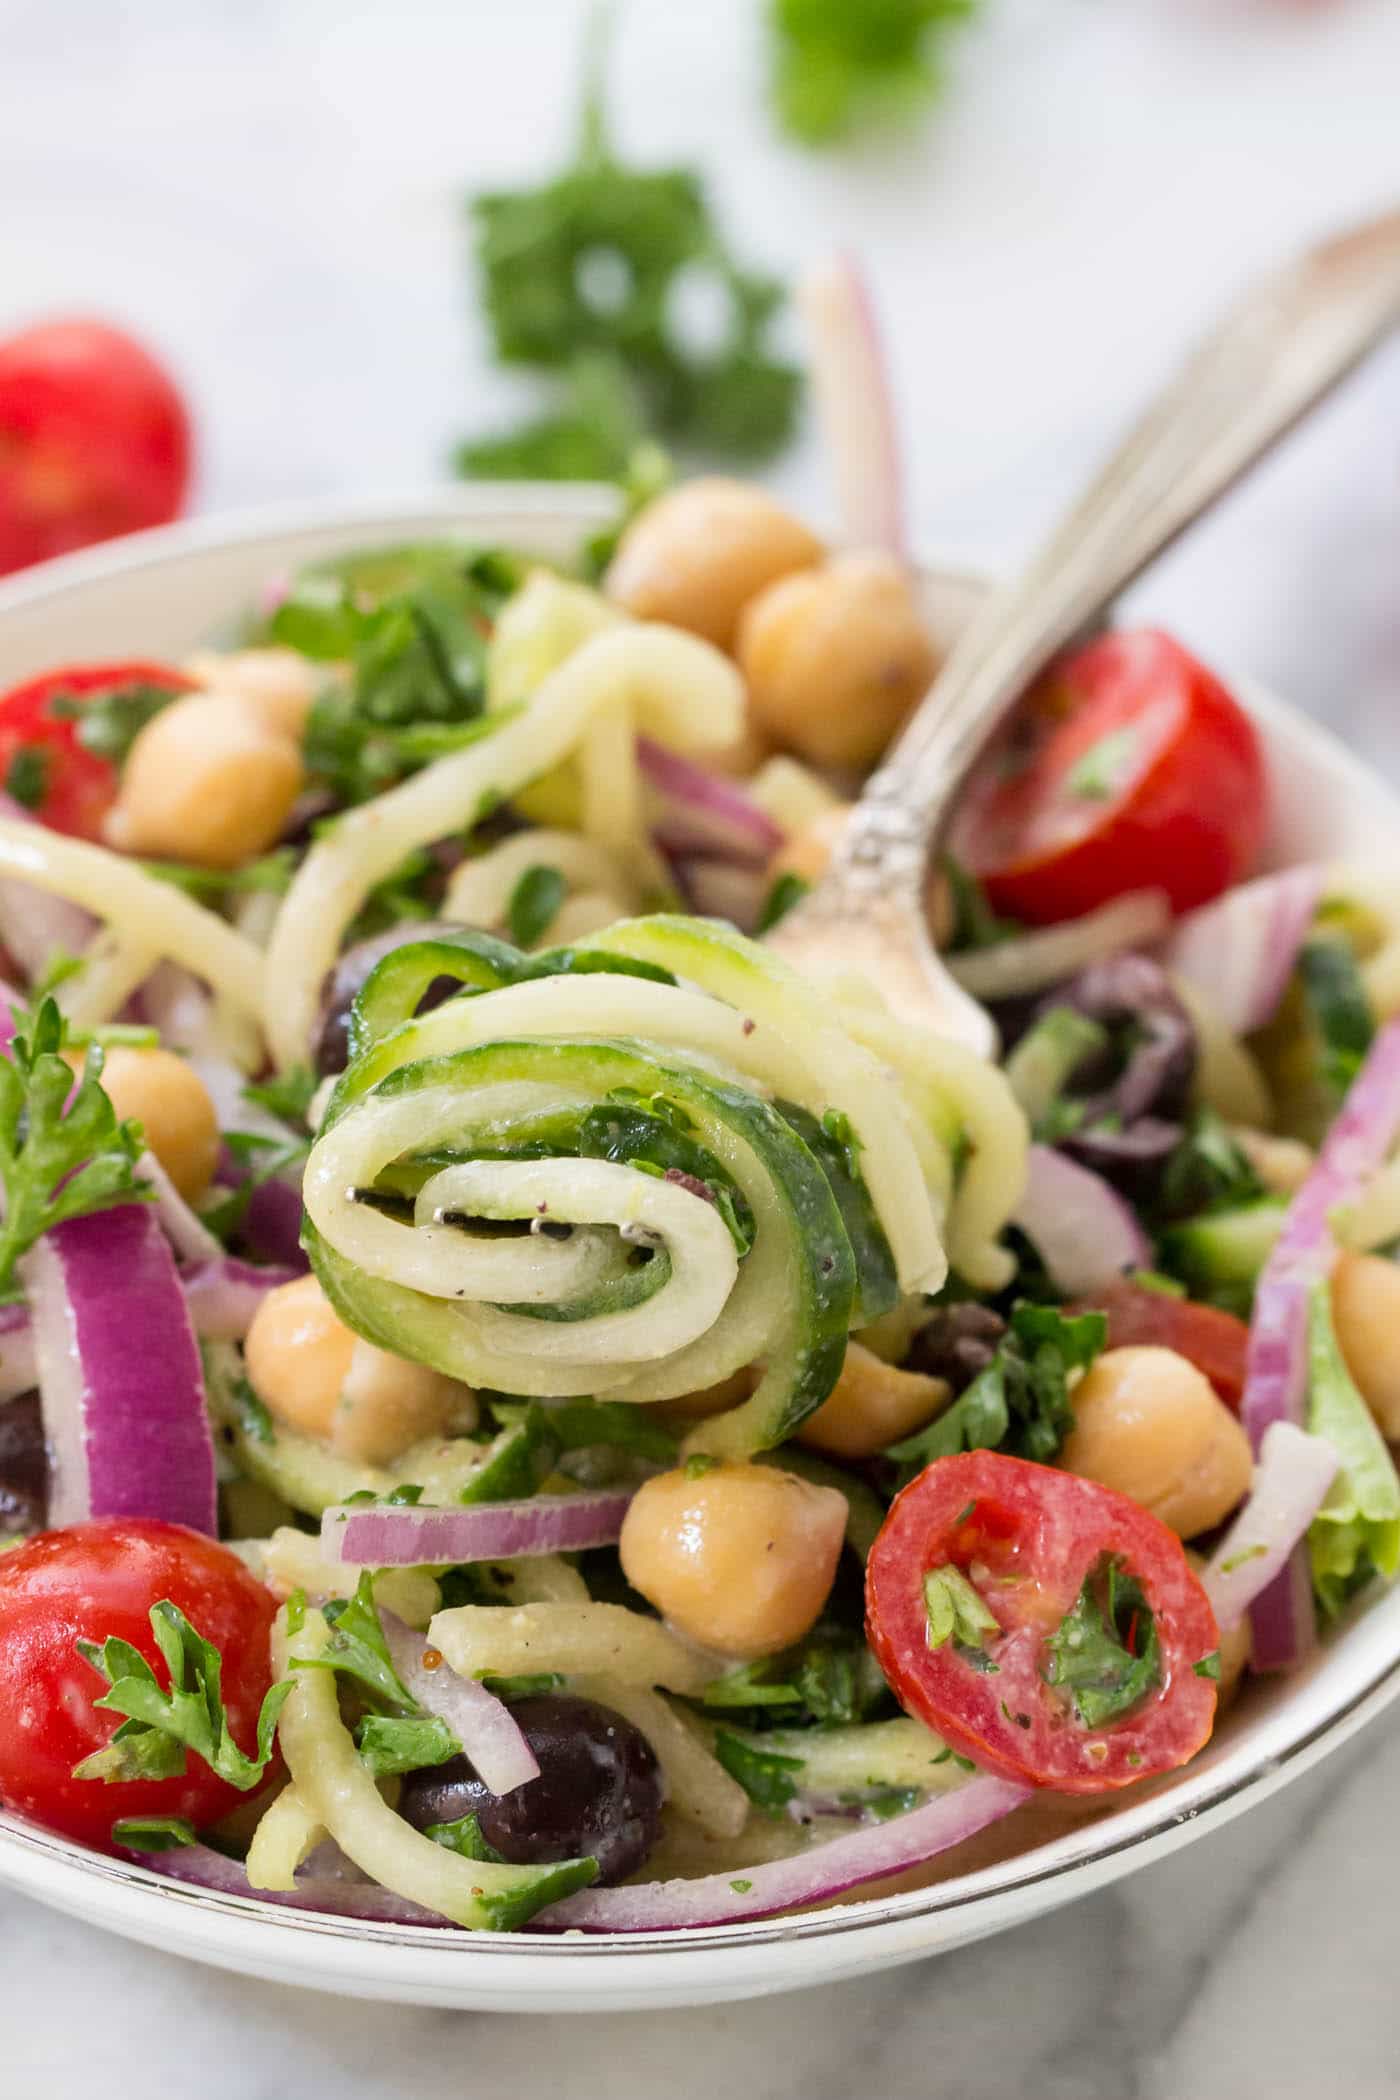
(94, 440)
(1214, 1341)
(87, 1582)
(1128, 766)
(46, 764)
(1029, 1539)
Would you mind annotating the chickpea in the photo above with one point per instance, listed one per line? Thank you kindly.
(697, 555)
(835, 658)
(872, 1404)
(739, 1558)
(171, 1103)
(1149, 1423)
(1366, 1309)
(205, 782)
(277, 686)
(320, 1379)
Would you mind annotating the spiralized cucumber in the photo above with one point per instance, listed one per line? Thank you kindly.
(583, 1176)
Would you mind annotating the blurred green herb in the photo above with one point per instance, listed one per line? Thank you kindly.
(618, 278)
(837, 64)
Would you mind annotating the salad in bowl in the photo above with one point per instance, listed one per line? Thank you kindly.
(518, 1410)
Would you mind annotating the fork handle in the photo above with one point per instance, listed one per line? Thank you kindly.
(1277, 353)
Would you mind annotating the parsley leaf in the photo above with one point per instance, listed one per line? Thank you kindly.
(391, 1743)
(288, 1094)
(786, 893)
(956, 1612)
(27, 775)
(1020, 1403)
(464, 1837)
(534, 905)
(591, 273)
(1103, 770)
(110, 720)
(838, 62)
(770, 1781)
(1105, 1652)
(153, 1833)
(59, 1159)
(975, 924)
(357, 1648)
(162, 1726)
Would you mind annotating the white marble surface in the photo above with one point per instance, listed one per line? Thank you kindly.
(269, 188)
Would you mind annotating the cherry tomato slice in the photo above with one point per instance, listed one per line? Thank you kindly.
(87, 1582)
(1127, 767)
(1214, 1341)
(94, 440)
(44, 762)
(1028, 1539)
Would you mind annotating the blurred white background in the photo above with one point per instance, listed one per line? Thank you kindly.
(271, 191)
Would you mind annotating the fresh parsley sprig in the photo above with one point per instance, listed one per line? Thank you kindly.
(60, 1157)
(161, 1727)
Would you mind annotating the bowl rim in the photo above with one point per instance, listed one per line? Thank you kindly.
(50, 1867)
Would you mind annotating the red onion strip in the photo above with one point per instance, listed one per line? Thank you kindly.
(483, 1724)
(1361, 1136)
(853, 400)
(379, 1535)
(222, 1296)
(120, 1380)
(697, 811)
(201, 1867)
(1239, 952)
(1081, 1228)
(868, 1854)
(1291, 1481)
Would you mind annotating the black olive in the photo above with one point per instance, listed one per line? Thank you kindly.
(24, 1467)
(1132, 1159)
(957, 1343)
(598, 1794)
(347, 979)
(1132, 997)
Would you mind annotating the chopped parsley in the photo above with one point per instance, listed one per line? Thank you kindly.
(27, 775)
(161, 1727)
(59, 1158)
(1105, 1652)
(534, 905)
(786, 893)
(955, 1611)
(769, 1780)
(1020, 1403)
(1104, 769)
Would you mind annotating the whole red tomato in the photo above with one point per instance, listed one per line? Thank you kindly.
(94, 440)
(1127, 767)
(87, 1583)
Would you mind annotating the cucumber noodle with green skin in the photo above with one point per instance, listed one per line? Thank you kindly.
(455, 1136)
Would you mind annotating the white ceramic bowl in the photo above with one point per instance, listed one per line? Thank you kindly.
(159, 594)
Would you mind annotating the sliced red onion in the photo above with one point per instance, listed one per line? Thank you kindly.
(223, 1295)
(183, 1227)
(120, 1380)
(868, 1854)
(1031, 962)
(1082, 1229)
(1361, 1136)
(36, 925)
(201, 1867)
(177, 1005)
(271, 1223)
(722, 890)
(1239, 952)
(1291, 1481)
(484, 1725)
(697, 811)
(853, 400)
(378, 1535)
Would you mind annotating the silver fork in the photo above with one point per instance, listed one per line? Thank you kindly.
(1273, 358)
